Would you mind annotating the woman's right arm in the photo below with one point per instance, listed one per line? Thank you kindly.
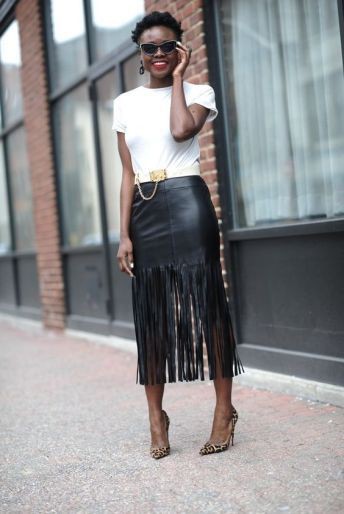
(125, 250)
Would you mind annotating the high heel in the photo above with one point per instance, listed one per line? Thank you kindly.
(163, 451)
(209, 448)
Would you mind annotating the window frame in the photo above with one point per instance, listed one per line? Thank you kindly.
(213, 37)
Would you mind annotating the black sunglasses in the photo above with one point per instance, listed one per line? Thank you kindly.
(151, 48)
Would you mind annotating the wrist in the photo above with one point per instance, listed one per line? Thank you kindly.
(177, 78)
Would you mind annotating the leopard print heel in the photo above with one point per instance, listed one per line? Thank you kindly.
(209, 448)
(158, 453)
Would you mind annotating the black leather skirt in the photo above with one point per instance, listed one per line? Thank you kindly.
(179, 300)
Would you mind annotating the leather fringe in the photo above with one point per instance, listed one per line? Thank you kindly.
(177, 308)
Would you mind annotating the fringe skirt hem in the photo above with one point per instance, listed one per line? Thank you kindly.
(180, 310)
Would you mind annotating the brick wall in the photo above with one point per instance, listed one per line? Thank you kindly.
(190, 13)
(39, 142)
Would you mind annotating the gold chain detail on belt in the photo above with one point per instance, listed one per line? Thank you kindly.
(155, 176)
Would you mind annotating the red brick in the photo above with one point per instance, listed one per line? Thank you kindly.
(39, 147)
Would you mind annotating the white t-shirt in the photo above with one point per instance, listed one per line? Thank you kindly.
(143, 114)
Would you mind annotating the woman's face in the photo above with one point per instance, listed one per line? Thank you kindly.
(159, 65)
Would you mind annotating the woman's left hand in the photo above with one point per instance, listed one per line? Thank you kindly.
(184, 54)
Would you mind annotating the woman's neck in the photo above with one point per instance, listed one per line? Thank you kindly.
(155, 83)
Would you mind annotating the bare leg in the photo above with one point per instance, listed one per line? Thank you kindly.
(223, 406)
(223, 410)
(155, 395)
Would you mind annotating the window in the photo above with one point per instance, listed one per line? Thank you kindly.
(5, 240)
(82, 109)
(112, 23)
(67, 38)
(74, 137)
(21, 190)
(285, 101)
(107, 90)
(19, 185)
(12, 100)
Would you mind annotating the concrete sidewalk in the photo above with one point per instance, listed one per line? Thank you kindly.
(75, 439)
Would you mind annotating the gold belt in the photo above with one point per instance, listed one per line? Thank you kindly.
(162, 174)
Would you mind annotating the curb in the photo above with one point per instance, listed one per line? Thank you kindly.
(255, 378)
(290, 384)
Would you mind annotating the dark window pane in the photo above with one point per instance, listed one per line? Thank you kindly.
(10, 74)
(285, 108)
(77, 171)
(68, 58)
(20, 184)
(5, 241)
(113, 23)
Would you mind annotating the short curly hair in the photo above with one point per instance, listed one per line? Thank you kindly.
(157, 18)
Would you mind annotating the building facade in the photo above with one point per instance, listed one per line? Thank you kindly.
(273, 161)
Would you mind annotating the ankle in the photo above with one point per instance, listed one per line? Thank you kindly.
(156, 416)
(223, 410)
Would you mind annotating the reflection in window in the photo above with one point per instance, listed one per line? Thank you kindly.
(113, 23)
(5, 241)
(21, 190)
(77, 171)
(285, 109)
(10, 59)
(107, 89)
(68, 56)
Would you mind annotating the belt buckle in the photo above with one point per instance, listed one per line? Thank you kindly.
(157, 175)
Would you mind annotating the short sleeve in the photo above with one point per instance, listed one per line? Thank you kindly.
(206, 97)
(118, 120)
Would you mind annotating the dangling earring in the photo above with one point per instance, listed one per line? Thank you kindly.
(141, 69)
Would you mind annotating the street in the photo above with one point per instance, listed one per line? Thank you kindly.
(75, 439)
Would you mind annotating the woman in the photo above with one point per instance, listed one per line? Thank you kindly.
(169, 239)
